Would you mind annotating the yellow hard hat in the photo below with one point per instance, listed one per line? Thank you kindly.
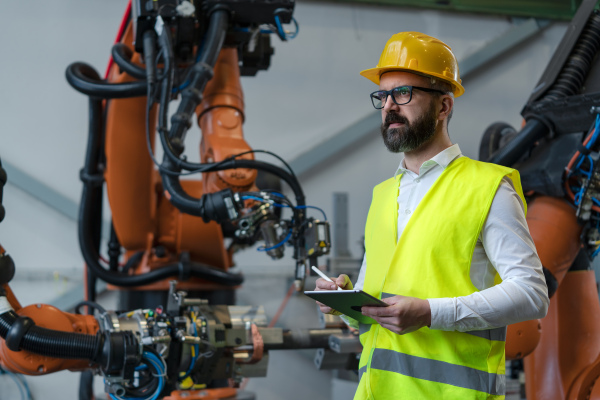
(421, 54)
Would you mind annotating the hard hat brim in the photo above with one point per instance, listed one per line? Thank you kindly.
(373, 74)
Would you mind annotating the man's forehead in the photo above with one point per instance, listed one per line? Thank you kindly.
(398, 78)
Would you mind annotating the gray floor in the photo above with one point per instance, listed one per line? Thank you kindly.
(291, 374)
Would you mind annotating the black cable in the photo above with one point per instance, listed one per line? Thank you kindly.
(91, 258)
(200, 74)
(122, 54)
(194, 206)
(90, 304)
(274, 155)
(3, 178)
(164, 41)
(114, 249)
(84, 78)
(144, 388)
(86, 385)
(132, 262)
(92, 177)
(88, 214)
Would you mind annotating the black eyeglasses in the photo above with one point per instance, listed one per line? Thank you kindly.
(401, 95)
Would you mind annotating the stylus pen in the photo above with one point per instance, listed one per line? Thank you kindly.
(322, 275)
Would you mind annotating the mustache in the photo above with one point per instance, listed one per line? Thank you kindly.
(392, 118)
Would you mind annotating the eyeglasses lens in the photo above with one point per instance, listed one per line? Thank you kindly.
(378, 99)
(401, 94)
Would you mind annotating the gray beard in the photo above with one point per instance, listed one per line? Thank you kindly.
(411, 136)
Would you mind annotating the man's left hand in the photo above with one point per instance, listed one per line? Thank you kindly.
(403, 315)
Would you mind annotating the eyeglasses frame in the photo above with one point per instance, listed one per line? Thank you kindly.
(388, 93)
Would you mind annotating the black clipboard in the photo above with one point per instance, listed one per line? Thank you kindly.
(348, 302)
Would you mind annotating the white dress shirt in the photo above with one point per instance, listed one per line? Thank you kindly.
(504, 245)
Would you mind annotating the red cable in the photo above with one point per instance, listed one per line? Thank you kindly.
(585, 142)
(290, 291)
(570, 193)
(120, 33)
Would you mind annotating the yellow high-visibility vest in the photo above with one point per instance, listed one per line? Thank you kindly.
(432, 259)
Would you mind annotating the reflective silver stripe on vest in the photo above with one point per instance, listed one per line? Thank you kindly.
(363, 328)
(491, 334)
(438, 371)
(361, 371)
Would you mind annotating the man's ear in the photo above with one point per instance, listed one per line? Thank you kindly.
(446, 107)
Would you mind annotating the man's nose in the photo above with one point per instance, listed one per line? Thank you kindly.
(389, 104)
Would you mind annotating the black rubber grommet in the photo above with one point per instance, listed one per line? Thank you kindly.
(93, 179)
(16, 332)
(185, 270)
(583, 150)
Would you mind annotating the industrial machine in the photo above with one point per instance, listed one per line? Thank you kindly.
(557, 154)
(171, 241)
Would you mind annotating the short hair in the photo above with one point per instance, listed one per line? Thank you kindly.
(445, 87)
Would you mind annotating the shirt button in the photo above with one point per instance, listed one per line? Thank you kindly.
(417, 180)
(407, 211)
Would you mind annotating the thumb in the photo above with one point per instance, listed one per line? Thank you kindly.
(344, 282)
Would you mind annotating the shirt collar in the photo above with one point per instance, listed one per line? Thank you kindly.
(443, 159)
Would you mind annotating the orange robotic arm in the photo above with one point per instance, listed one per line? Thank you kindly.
(171, 227)
(558, 164)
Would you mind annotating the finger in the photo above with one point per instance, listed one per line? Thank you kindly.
(394, 321)
(325, 309)
(377, 311)
(322, 284)
(392, 328)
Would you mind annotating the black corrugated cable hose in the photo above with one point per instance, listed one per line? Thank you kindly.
(571, 78)
(569, 82)
(51, 343)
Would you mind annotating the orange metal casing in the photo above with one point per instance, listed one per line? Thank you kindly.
(220, 116)
(50, 317)
(129, 173)
(555, 232)
(204, 394)
(570, 341)
(522, 338)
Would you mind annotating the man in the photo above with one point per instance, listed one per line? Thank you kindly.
(447, 244)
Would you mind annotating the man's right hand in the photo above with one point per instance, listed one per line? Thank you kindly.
(342, 281)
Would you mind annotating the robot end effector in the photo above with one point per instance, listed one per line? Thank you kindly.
(253, 214)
